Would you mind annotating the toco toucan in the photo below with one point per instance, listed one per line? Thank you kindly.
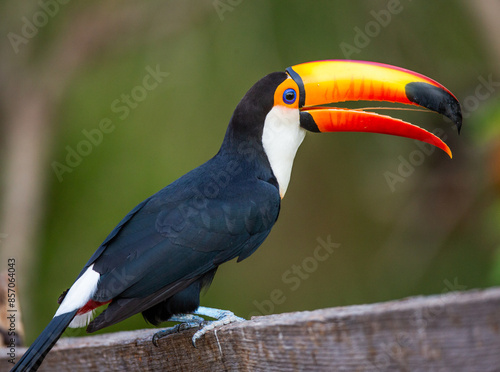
(160, 256)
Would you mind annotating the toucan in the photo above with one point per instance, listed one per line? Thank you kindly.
(168, 248)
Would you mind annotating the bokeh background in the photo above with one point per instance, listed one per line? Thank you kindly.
(67, 67)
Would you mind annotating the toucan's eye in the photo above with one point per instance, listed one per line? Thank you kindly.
(289, 96)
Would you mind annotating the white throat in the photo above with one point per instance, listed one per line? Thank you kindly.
(281, 137)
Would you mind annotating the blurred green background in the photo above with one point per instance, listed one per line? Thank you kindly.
(436, 231)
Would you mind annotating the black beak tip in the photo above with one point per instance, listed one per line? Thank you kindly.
(458, 120)
(459, 125)
(435, 99)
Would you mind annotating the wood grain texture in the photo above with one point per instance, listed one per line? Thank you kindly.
(457, 331)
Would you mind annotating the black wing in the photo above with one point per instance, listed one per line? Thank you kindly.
(177, 236)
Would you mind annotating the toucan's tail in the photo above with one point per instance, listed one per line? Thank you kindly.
(34, 356)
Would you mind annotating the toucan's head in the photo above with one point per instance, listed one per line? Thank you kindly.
(279, 109)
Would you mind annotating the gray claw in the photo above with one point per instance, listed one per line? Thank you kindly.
(189, 321)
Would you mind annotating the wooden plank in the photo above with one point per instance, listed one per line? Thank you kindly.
(457, 331)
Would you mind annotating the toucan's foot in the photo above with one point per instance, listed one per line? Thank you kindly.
(222, 317)
(188, 321)
(187, 318)
(175, 329)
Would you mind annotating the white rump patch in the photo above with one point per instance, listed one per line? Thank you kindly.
(80, 293)
(82, 320)
(281, 138)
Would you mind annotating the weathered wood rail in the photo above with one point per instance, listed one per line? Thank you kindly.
(457, 331)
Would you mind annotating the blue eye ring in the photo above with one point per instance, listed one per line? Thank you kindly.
(289, 96)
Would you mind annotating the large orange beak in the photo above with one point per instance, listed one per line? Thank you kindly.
(327, 82)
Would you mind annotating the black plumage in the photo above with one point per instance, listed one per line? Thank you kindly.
(167, 249)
